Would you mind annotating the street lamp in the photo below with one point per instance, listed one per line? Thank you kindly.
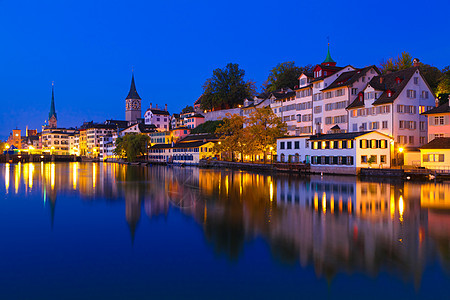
(400, 151)
(271, 154)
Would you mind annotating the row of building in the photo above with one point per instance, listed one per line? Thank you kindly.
(337, 118)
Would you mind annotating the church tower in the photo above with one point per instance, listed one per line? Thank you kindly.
(52, 119)
(132, 104)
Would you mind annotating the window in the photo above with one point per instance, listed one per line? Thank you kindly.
(363, 126)
(424, 94)
(340, 92)
(439, 120)
(422, 140)
(416, 80)
(374, 125)
(382, 159)
(433, 157)
(355, 127)
(354, 91)
(364, 159)
(411, 139)
(289, 145)
(422, 126)
(297, 145)
(373, 158)
(421, 109)
(317, 109)
(411, 94)
(400, 108)
(363, 144)
(282, 145)
(384, 124)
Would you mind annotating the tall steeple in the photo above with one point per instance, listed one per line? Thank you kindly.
(52, 119)
(133, 94)
(328, 60)
(132, 103)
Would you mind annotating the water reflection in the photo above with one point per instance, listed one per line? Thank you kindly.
(334, 224)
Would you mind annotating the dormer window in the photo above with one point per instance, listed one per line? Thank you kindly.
(389, 93)
(361, 96)
(398, 80)
(325, 73)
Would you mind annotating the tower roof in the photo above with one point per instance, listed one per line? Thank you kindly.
(328, 59)
(52, 105)
(133, 94)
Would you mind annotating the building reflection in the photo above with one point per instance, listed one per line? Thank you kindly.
(335, 224)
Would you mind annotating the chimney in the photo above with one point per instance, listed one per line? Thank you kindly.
(150, 105)
(165, 107)
(381, 79)
(156, 106)
(416, 62)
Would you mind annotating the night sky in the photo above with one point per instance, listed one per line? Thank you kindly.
(88, 48)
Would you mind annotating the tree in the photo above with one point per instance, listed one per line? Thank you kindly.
(207, 127)
(285, 75)
(432, 75)
(443, 87)
(131, 146)
(401, 62)
(265, 127)
(2, 146)
(226, 88)
(234, 137)
(187, 109)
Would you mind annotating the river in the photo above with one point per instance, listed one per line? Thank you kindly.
(109, 231)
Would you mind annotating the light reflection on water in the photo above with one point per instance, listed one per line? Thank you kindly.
(332, 224)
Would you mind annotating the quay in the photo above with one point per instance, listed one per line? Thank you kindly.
(26, 157)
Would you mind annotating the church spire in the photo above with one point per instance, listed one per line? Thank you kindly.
(328, 60)
(133, 94)
(52, 105)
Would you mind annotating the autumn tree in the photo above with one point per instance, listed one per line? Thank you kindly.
(265, 127)
(227, 88)
(284, 75)
(401, 62)
(131, 145)
(231, 133)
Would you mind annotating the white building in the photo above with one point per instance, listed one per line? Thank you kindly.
(159, 118)
(392, 104)
(181, 153)
(107, 146)
(339, 153)
(56, 140)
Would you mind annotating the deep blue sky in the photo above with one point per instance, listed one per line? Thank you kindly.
(89, 47)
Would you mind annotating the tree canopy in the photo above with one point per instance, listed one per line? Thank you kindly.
(284, 75)
(207, 127)
(131, 146)
(248, 136)
(227, 88)
(401, 62)
(187, 109)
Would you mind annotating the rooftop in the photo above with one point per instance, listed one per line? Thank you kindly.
(438, 143)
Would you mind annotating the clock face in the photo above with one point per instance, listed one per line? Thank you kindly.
(133, 105)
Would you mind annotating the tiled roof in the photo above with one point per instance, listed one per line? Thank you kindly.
(283, 95)
(438, 143)
(158, 112)
(441, 109)
(389, 83)
(350, 77)
(179, 145)
(338, 136)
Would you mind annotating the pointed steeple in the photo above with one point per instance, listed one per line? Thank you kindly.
(52, 105)
(328, 59)
(133, 94)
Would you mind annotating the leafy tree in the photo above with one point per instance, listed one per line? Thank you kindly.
(131, 146)
(2, 146)
(284, 75)
(207, 127)
(187, 109)
(443, 87)
(226, 88)
(265, 127)
(401, 62)
(432, 75)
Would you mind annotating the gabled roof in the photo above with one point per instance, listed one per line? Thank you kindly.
(441, 109)
(389, 83)
(341, 136)
(119, 123)
(283, 95)
(350, 77)
(438, 143)
(158, 112)
(133, 94)
(304, 87)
